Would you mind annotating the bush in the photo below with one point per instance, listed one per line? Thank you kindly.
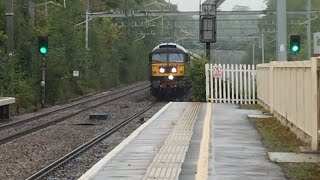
(196, 75)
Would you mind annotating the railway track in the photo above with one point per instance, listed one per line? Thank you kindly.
(83, 148)
(8, 125)
(65, 112)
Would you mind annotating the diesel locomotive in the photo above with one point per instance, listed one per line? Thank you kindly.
(168, 63)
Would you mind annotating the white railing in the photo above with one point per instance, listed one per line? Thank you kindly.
(237, 84)
(290, 90)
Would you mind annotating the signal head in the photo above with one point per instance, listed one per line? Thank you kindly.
(295, 43)
(43, 45)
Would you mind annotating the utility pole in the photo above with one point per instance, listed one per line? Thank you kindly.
(173, 29)
(46, 7)
(253, 58)
(282, 30)
(262, 46)
(126, 8)
(10, 27)
(87, 25)
(32, 12)
(309, 30)
(162, 26)
(128, 22)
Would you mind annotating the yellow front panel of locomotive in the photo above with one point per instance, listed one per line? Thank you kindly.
(156, 69)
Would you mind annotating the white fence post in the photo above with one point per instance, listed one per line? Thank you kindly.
(232, 86)
(216, 90)
(249, 84)
(241, 84)
(315, 104)
(271, 90)
(245, 83)
(224, 84)
(211, 82)
(220, 90)
(237, 83)
(228, 82)
(254, 83)
(207, 71)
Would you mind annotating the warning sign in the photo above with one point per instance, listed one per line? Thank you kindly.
(217, 71)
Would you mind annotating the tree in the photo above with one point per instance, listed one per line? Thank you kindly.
(113, 57)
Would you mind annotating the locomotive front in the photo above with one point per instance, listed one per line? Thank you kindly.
(168, 65)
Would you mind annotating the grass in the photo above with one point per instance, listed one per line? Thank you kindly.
(252, 107)
(301, 171)
(278, 138)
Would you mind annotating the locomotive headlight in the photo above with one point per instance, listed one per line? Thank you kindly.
(162, 70)
(174, 70)
(170, 77)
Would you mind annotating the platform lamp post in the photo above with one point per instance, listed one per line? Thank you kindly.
(208, 25)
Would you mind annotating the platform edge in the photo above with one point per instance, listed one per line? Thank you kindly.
(93, 171)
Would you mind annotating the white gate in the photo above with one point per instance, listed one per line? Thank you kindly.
(233, 83)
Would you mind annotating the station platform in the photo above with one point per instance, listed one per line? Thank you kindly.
(189, 141)
(4, 107)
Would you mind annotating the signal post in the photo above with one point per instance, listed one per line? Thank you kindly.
(43, 50)
(208, 25)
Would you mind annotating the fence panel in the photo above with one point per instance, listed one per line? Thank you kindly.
(237, 84)
(291, 91)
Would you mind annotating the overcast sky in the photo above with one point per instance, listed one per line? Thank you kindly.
(193, 5)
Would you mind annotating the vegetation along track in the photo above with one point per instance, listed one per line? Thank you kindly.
(20, 128)
(75, 153)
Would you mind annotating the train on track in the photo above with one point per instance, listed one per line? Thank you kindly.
(168, 64)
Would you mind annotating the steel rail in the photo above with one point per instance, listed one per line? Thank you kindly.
(55, 111)
(58, 120)
(83, 148)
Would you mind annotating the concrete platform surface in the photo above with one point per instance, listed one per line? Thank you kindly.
(294, 157)
(259, 116)
(155, 150)
(237, 150)
(182, 137)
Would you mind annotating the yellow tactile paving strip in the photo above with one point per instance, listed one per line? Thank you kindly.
(167, 163)
(203, 162)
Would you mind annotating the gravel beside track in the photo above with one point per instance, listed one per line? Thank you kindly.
(24, 156)
(50, 119)
(77, 167)
(72, 102)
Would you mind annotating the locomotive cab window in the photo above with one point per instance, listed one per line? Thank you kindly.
(176, 57)
(159, 57)
(173, 57)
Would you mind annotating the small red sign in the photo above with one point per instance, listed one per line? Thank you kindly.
(217, 71)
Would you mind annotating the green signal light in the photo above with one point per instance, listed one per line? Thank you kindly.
(295, 43)
(43, 45)
(294, 48)
(43, 50)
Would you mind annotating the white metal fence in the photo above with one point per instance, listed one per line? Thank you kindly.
(236, 84)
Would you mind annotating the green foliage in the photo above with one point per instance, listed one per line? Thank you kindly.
(115, 55)
(12, 79)
(196, 75)
(3, 40)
